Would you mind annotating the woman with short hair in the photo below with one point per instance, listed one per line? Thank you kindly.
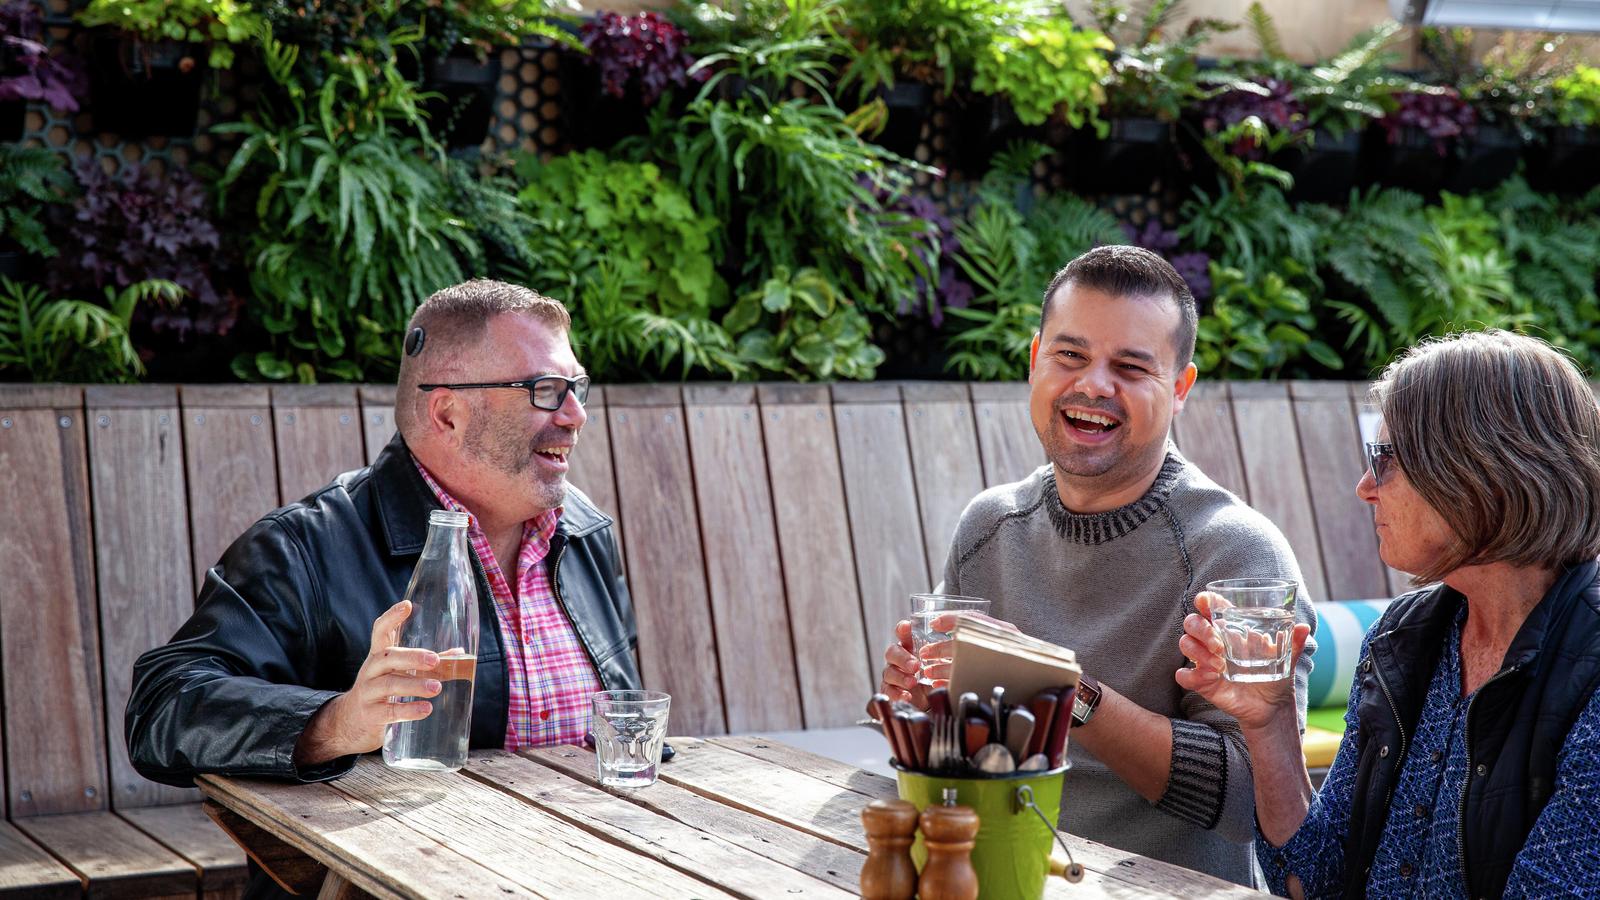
(1470, 765)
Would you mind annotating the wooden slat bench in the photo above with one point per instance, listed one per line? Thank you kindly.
(771, 535)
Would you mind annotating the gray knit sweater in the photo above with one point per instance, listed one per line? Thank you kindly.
(1115, 587)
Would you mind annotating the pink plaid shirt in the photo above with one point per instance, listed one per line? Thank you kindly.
(548, 671)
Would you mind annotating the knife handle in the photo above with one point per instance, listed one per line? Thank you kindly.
(1056, 747)
(974, 735)
(939, 701)
(1043, 707)
(920, 727)
(879, 706)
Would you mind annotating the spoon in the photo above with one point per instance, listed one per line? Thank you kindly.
(994, 759)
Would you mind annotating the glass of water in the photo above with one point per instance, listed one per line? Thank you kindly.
(1256, 619)
(629, 727)
(925, 608)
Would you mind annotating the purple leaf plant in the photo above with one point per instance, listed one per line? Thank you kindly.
(643, 47)
(27, 70)
(1440, 113)
(126, 230)
(1194, 266)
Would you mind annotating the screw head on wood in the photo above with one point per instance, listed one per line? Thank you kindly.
(64, 421)
(104, 421)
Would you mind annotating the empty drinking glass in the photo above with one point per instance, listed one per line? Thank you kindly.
(1256, 619)
(925, 608)
(629, 727)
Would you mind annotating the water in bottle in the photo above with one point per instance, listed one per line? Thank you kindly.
(444, 619)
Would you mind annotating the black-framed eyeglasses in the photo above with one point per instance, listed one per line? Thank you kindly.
(546, 392)
(1380, 459)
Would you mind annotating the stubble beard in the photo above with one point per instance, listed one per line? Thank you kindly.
(1115, 463)
(500, 446)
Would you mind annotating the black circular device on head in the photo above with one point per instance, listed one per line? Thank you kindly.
(415, 340)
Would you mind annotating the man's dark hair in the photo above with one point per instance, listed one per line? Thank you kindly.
(1135, 273)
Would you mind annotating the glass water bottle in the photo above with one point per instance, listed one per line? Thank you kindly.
(444, 619)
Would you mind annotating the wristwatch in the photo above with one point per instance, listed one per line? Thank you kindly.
(1086, 701)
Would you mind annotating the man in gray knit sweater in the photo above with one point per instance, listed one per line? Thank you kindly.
(1103, 551)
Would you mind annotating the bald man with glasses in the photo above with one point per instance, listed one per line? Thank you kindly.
(289, 662)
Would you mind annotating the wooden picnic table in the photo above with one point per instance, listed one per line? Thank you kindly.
(729, 817)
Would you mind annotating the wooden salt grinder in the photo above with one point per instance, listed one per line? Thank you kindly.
(889, 873)
(949, 831)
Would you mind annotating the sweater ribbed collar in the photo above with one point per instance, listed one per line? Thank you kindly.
(1099, 528)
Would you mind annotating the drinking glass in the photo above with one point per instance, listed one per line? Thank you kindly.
(629, 727)
(927, 607)
(1256, 620)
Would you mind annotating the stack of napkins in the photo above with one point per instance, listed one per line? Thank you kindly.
(986, 655)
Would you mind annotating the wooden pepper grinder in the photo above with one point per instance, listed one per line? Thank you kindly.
(889, 873)
(949, 832)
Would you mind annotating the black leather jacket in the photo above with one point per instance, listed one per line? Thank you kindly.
(284, 622)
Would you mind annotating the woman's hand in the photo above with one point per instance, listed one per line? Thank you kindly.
(1253, 704)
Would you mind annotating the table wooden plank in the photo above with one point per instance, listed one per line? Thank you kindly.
(825, 860)
(738, 532)
(944, 460)
(685, 847)
(1270, 449)
(1006, 437)
(55, 749)
(232, 468)
(113, 858)
(885, 530)
(1205, 432)
(832, 653)
(1116, 866)
(666, 571)
(317, 429)
(1331, 442)
(357, 839)
(795, 799)
(141, 547)
(186, 830)
(288, 865)
(28, 871)
(543, 853)
(377, 418)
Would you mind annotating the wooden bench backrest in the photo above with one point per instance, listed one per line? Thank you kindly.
(771, 533)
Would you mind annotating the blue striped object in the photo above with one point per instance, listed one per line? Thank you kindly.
(1340, 627)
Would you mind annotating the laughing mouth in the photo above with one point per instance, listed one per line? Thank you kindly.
(1089, 422)
(558, 454)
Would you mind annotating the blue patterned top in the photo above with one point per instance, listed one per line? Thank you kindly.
(1418, 853)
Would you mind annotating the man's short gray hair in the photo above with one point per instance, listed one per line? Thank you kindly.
(455, 320)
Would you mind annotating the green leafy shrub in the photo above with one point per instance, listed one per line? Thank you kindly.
(798, 191)
(47, 339)
(1046, 66)
(632, 257)
(1250, 231)
(931, 41)
(1554, 249)
(1151, 73)
(798, 325)
(1578, 97)
(30, 179)
(1259, 328)
(1342, 94)
(352, 223)
(1010, 257)
(1416, 271)
(217, 24)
